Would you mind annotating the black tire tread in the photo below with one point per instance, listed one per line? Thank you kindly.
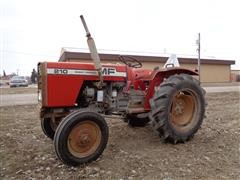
(66, 123)
(46, 128)
(159, 106)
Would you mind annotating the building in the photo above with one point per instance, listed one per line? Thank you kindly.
(212, 69)
(235, 75)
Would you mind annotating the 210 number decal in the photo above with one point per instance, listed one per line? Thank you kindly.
(60, 71)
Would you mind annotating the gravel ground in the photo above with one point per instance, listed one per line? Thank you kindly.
(132, 153)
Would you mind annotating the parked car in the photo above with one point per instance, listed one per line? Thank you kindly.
(18, 81)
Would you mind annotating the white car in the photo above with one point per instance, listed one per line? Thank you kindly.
(18, 81)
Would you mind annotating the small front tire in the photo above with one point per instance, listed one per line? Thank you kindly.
(47, 127)
(81, 138)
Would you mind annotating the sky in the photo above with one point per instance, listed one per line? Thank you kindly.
(34, 31)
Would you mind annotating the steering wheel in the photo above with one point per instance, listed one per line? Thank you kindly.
(130, 61)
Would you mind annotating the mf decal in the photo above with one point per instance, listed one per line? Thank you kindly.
(108, 71)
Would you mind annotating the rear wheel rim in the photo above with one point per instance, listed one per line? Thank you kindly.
(84, 139)
(183, 108)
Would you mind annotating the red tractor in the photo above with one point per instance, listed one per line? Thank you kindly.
(76, 97)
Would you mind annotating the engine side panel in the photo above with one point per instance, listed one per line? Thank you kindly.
(64, 81)
(63, 90)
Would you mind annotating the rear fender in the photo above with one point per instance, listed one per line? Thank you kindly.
(158, 77)
(171, 71)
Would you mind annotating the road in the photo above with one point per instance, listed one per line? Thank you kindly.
(23, 99)
(222, 89)
(18, 99)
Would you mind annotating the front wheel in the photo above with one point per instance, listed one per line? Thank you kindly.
(177, 108)
(48, 127)
(81, 138)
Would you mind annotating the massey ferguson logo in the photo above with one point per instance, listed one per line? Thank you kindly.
(108, 71)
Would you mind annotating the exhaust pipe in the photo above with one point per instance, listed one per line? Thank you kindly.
(94, 54)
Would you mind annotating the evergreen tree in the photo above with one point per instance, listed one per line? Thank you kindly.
(34, 76)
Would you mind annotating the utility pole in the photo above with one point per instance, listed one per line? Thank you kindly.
(199, 57)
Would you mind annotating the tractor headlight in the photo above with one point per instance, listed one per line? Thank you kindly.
(39, 95)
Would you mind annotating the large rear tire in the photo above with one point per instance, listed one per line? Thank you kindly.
(81, 137)
(177, 108)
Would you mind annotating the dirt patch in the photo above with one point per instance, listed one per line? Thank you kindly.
(132, 153)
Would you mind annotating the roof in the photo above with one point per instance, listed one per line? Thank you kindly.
(78, 54)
